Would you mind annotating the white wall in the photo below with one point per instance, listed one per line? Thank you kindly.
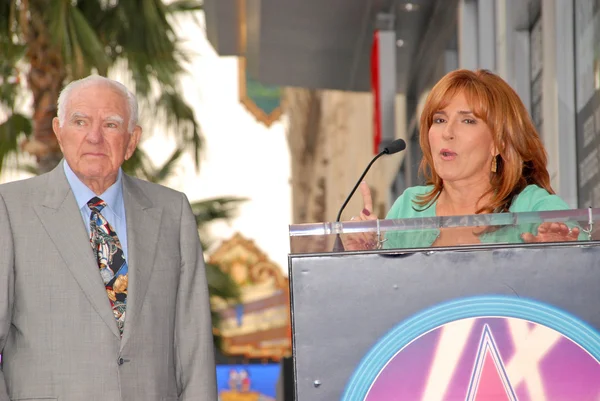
(241, 157)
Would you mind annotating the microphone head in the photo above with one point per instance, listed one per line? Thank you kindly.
(396, 146)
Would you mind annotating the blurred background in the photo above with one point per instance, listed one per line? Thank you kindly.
(265, 112)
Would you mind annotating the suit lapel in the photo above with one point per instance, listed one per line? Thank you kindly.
(61, 218)
(143, 225)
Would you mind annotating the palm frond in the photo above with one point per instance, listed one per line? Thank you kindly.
(208, 211)
(147, 41)
(9, 19)
(178, 115)
(138, 165)
(179, 6)
(29, 169)
(10, 132)
(71, 32)
(162, 173)
(9, 78)
(5, 11)
(212, 209)
(90, 47)
(12, 52)
(221, 284)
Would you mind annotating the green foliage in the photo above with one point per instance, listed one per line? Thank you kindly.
(15, 124)
(183, 6)
(140, 165)
(97, 36)
(209, 210)
(221, 284)
(215, 208)
(70, 30)
(10, 131)
(181, 119)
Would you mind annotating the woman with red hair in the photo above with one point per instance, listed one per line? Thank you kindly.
(481, 154)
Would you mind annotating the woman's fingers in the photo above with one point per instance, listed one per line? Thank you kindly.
(367, 200)
(574, 233)
(359, 241)
(552, 232)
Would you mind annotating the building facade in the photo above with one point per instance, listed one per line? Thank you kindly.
(547, 50)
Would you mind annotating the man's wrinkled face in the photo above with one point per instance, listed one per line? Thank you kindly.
(94, 137)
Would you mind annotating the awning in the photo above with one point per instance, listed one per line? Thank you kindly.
(326, 44)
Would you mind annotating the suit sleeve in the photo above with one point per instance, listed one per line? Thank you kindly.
(6, 285)
(194, 348)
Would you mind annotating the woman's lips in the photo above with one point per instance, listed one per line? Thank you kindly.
(447, 155)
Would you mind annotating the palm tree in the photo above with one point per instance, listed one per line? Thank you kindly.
(52, 42)
(220, 284)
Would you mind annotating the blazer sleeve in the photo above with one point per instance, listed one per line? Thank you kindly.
(6, 285)
(194, 348)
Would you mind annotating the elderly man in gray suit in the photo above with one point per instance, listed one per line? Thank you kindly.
(103, 292)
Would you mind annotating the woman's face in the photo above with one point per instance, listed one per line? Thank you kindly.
(461, 144)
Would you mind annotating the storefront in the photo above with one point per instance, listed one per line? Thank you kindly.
(587, 61)
(547, 50)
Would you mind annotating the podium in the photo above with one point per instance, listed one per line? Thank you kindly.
(500, 320)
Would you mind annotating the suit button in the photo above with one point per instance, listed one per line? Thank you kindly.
(121, 361)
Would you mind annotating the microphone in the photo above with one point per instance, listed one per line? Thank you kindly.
(394, 147)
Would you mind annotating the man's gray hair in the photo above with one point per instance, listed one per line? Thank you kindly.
(98, 80)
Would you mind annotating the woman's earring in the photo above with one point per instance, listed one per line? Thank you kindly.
(494, 164)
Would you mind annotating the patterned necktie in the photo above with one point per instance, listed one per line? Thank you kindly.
(111, 260)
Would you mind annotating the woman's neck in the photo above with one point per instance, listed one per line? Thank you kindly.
(462, 198)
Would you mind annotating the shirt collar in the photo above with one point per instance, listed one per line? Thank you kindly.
(113, 196)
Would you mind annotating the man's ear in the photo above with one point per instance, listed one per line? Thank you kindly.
(134, 140)
(57, 130)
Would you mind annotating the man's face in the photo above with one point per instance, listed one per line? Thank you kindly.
(94, 138)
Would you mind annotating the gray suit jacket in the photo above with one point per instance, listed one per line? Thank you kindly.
(57, 331)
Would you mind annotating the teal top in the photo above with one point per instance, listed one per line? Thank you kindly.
(531, 199)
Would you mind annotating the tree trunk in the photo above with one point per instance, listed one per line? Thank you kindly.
(45, 79)
(330, 140)
(309, 163)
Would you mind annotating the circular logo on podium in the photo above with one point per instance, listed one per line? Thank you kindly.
(482, 348)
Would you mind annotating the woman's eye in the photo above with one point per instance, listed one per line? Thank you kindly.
(470, 121)
(438, 120)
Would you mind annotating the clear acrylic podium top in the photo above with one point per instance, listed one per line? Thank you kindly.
(454, 231)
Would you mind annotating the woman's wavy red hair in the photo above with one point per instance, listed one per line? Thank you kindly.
(521, 159)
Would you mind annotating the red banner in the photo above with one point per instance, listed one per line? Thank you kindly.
(375, 87)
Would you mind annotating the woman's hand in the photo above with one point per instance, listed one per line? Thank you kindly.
(362, 241)
(552, 232)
